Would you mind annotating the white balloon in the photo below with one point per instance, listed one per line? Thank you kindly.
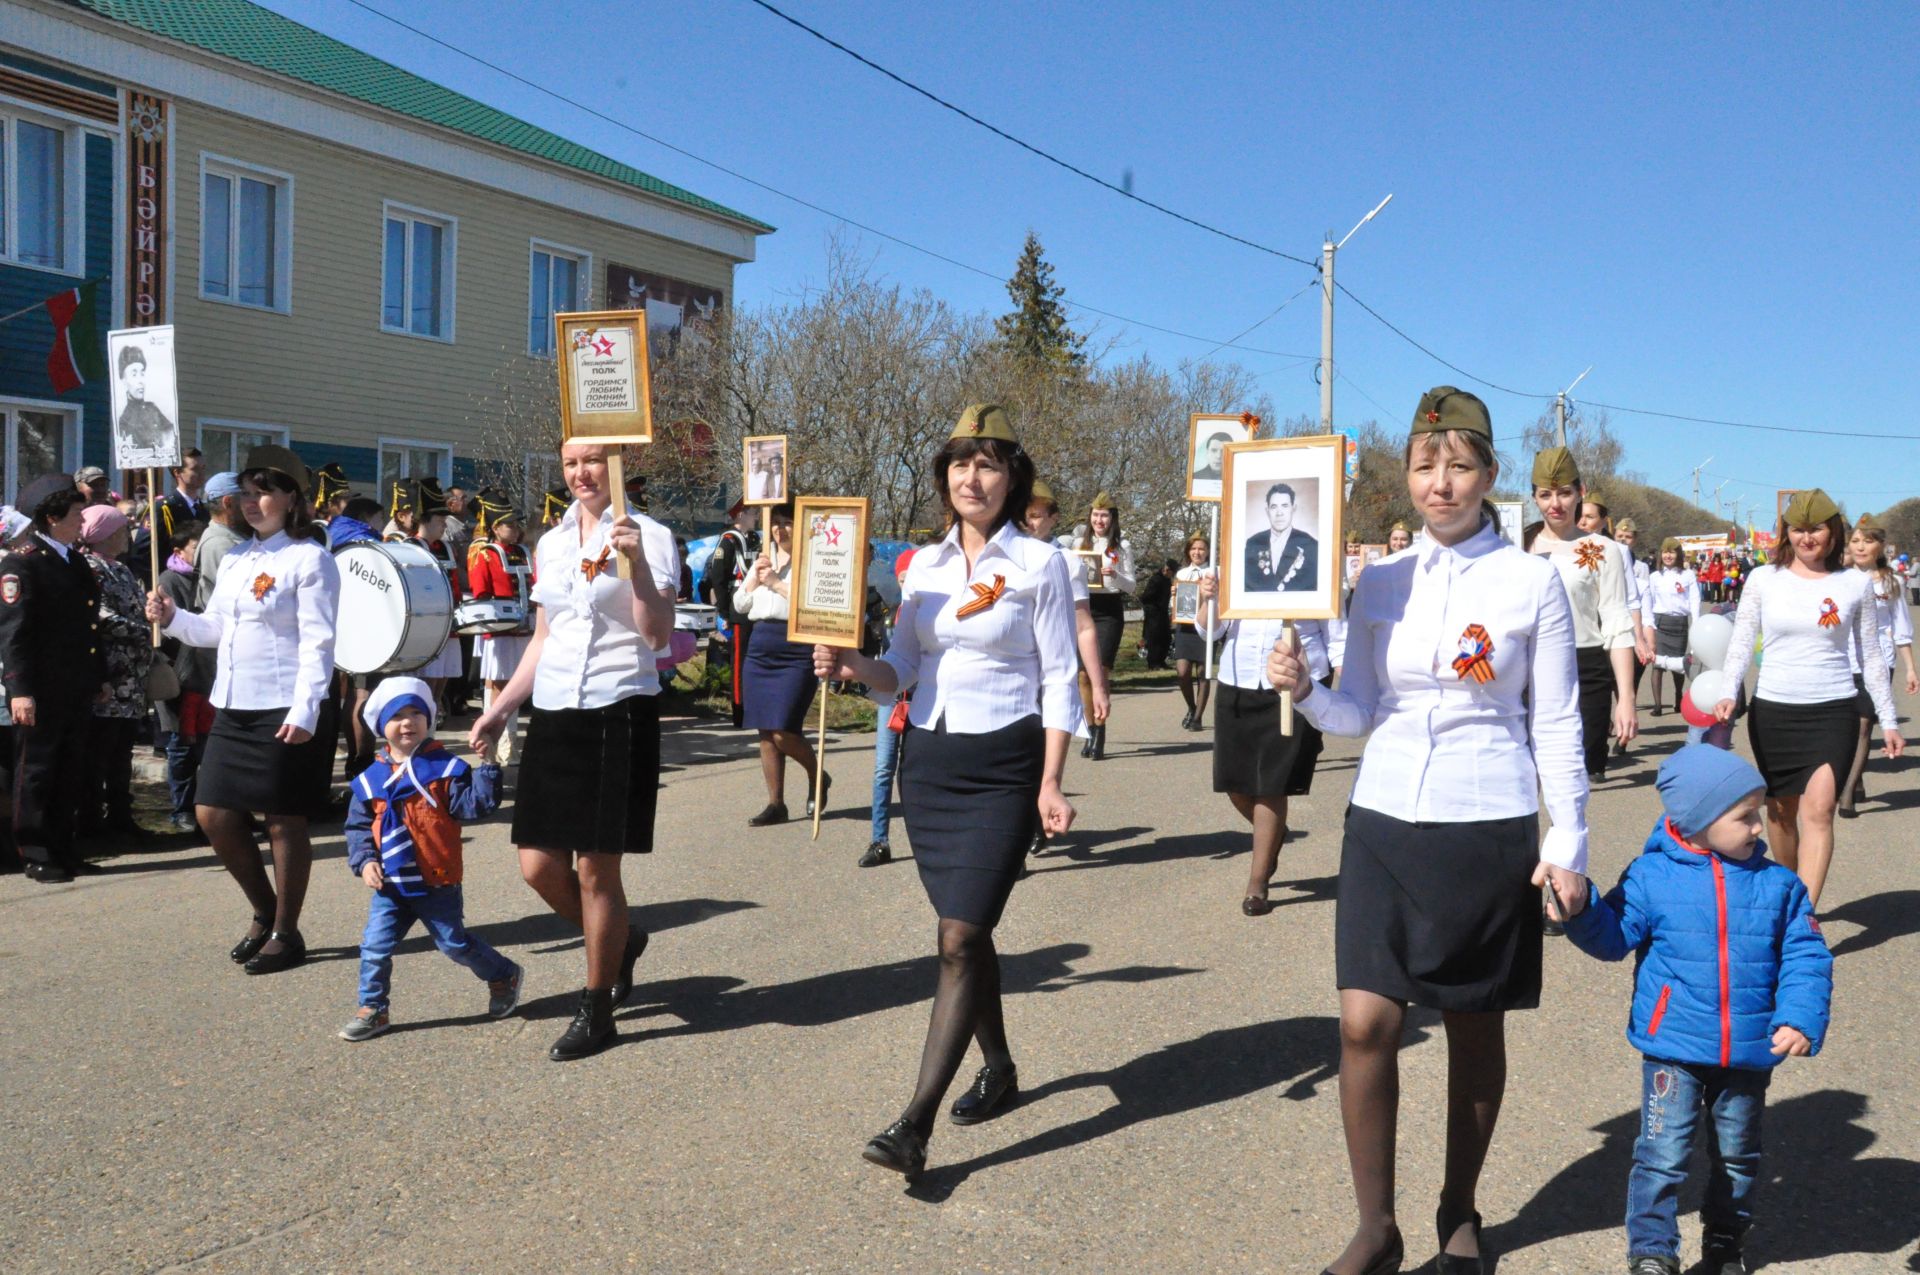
(1709, 639)
(1709, 688)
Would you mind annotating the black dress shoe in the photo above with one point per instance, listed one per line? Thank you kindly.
(1186, 723)
(1256, 905)
(243, 950)
(293, 951)
(591, 1029)
(1100, 742)
(636, 944)
(1386, 1262)
(899, 1147)
(993, 1091)
(48, 873)
(826, 787)
(1450, 1263)
(776, 812)
(878, 852)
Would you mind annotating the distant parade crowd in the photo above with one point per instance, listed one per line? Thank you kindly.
(316, 644)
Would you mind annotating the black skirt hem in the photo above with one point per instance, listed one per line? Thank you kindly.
(589, 778)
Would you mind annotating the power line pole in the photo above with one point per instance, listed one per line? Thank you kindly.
(1696, 480)
(1327, 250)
(1560, 408)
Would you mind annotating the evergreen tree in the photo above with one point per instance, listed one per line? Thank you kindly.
(1037, 329)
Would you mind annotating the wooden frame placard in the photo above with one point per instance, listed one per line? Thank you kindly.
(1296, 482)
(606, 390)
(827, 597)
(1208, 434)
(758, 449)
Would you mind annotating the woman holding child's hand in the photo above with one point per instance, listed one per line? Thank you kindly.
(1460, 663)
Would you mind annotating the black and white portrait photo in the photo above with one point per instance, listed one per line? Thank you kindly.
(146, 398)
(1282, 551)
(1207, 440)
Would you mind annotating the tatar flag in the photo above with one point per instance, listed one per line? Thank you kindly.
(76, 356)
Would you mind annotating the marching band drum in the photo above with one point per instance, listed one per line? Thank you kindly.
(396, 607)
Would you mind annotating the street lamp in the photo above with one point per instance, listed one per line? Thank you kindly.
(1327, 249)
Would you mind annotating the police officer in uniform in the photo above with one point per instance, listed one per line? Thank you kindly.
(53, 669)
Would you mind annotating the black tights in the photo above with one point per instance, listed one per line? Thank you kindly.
(966, 1007)
(1193, 690)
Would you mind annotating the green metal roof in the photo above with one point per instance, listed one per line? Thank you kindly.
(259, 37)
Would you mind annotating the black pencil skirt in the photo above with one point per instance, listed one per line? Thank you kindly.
(590, 778)
(971, 809)
(1250, 755)
(1595, 664)
(1443, 915)
(246, 768)
(1791, 742)
(1109, 622)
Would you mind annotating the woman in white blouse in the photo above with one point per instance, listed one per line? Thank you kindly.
(1806, 610)
(778, 676)
(1595, 572)
(590, 766)
(1673, 602)
(985, 638)
(1190, 640)
(1108, 603)
(1460, 662)
(1867, 550)
(272, 619)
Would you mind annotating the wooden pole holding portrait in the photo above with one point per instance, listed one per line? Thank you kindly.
(827, 593)
(1281, 513)
(153, 540)
(606, 391)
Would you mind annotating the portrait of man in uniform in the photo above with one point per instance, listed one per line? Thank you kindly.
(145, 398)
(1281, 557)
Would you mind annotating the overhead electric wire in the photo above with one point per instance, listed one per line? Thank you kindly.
(737, 175)
(1024, 145)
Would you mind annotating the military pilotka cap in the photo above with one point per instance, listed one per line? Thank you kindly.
(1555, 468)
(1445, 408)
(1670, 544)
(984, 420)
(1105, 501)
(1809, 508)
(1041, 491)
(280, 461)
(1868, 523)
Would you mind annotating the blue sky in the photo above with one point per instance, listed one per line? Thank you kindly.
(1715, 206)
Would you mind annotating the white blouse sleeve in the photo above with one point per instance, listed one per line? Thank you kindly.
(197, 628)
(1350, 710)
(1876, 672)
(1616, 621)
(1902, 619)
(317, 598)
(1746, 629)
(1053, 635)
(1553, 697)
(903, 652)
(1693, 599)
(1123, 578)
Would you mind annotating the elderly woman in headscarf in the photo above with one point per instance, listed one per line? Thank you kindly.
(126, 641)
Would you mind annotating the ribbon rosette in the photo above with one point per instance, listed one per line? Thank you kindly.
(1589, 555)
(984, 596)
(591, 567)
(1476, 655)
(262, 586)
(1829, 614)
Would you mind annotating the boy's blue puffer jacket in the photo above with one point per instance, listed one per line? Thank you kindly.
(1728, 951)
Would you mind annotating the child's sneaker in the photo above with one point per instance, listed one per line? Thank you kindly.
(503, 994)
(1720, 1253)
(1650, 1265)
(365, 1025)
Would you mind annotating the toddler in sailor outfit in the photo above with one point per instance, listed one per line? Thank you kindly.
(403, 841)
(1732, 976)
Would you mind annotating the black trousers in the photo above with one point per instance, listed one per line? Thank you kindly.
(109, 785)
(1156, 634)
(49, 780)
(1596, 705)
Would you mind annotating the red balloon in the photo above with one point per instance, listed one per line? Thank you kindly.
(1691, 711)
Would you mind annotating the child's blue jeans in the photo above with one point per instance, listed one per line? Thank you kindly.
(886, 759)
(389, 917)
(1673, 1098)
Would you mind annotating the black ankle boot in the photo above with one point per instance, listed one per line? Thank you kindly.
(993, 1091)
(1100, 742)
(591, 1029)
(1086, 749)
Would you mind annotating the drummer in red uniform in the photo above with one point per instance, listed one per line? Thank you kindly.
(499, 567)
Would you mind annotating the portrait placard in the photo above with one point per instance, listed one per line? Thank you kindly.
(1089, 567)
(1186, 602)
(1513, 520)
(1370, 554)
(1354, 563)
(606, 392)
(829, 594)
(1208, 434)
(146, 398)
(1282, 548)
(763, 465)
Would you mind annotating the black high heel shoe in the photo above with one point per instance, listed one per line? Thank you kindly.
(1388, 1261)
(244, 950)
(1449, 1263)
(293, 951)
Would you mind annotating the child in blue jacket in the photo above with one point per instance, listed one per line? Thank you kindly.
(1732, 975)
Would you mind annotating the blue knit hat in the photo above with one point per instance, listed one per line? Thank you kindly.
(1700, 783)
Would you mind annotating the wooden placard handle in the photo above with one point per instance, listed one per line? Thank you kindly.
(617, 479)
(153, 540)
(820, 760)
(1286, 695)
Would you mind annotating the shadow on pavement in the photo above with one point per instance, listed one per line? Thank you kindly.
(1823, 1197)
(723, 1003)
(1883, 918)
(1080, 851)
(1222, 1066)
(545, 927)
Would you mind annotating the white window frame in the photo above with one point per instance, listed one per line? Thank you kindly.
(73, 216)
(449, 269)
(74, 414)
(233, 170)
(445, 468)
(281, 436)
(583, 282)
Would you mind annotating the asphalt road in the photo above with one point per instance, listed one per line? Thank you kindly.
(166, 1112)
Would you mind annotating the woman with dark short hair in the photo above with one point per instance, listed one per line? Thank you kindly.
(985, 638)
(780, 685)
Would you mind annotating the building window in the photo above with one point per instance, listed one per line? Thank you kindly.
(39, 440)
(39, 193)
(224, 444)
(416, 277)
(246, 234)
(554, 288)
(402, 458)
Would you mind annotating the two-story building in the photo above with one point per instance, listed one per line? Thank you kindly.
(351, 255)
